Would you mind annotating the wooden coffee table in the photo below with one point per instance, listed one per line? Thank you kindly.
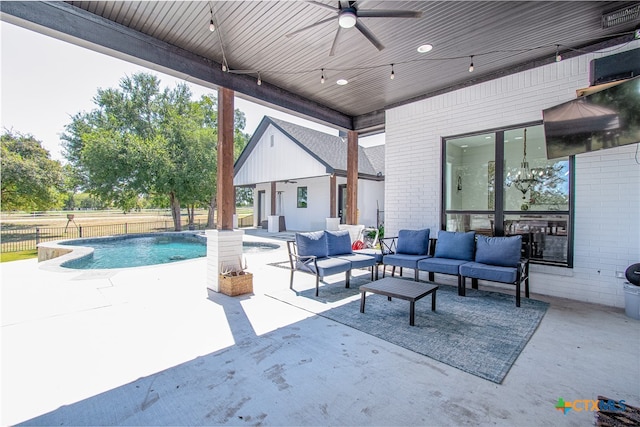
(408, 290)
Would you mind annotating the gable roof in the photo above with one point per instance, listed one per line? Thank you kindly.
(375, 154)
(329, 150)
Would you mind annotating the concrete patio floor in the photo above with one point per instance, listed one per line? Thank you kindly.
(148, 346)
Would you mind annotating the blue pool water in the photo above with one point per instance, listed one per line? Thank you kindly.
(123, 252)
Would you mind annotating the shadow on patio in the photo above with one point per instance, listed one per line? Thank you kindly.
(255, 360)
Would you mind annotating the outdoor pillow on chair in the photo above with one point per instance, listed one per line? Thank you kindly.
(455, 245)
(338, 242)
(312, 243)
(501, 251)
(413, 242)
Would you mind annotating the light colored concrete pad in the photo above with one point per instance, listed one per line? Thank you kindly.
(146, 346)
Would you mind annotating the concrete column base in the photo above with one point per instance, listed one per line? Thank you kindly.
(224, 249)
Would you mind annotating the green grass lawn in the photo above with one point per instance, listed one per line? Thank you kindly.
(16, 256)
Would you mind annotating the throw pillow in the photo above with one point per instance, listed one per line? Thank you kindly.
(413, 242)
(502, 251)
(312, 243)
(338, 242)
(455, 245)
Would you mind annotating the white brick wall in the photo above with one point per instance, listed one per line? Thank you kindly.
(607, 190)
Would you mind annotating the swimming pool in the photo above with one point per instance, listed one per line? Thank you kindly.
(142, 250)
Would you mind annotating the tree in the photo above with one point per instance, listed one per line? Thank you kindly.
(31, 180)
(244, 196)
(144, 141)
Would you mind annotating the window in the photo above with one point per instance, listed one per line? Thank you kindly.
(302, 197)
(501, 183)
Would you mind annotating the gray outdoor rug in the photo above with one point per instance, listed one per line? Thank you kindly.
(482, 333)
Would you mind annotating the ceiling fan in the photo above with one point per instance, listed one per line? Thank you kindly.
(349, 16)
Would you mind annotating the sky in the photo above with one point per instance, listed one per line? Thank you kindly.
(45, 81)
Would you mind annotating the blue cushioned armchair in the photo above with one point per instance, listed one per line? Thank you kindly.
(498, 259)
(452, 250)
(406, 250)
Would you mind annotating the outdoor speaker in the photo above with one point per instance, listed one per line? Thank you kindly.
(633, 274)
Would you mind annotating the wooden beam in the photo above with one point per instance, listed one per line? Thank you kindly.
(273, 197)
(352, 177)
(333, 204)
(77, 26)
(369, 123)
(225, 194)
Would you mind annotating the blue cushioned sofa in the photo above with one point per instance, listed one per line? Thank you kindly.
(495, 259)
(324, 253)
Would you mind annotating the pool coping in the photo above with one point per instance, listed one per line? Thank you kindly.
(51, 255)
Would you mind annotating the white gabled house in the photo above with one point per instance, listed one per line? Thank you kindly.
(300, 174)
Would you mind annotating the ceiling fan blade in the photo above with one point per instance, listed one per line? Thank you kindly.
(389, 14)
(326, 6)
(335, 42)
(369, 35)
(324, 21)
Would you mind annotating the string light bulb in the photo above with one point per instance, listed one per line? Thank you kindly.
(393, 74)
(212, 26)
(558, 57)
(322, 77)
(471, 65)
(259, 80)
(224, 67)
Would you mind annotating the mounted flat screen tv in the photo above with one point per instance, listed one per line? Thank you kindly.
(604, 119)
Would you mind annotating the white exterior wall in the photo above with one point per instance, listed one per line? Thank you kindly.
(313, 217)
(300, 219)
(370, 199)
(607, 190)
(284, 160)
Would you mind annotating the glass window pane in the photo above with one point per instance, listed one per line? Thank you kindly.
(533, 183)
(302, 197)
(470, 173)
(481, 224)
(547, 235)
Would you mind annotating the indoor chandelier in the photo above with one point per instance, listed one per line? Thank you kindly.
(525, 178)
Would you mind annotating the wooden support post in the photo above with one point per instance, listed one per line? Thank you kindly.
(225, 194)
(273, 197)
(352, 177)
(333, 213)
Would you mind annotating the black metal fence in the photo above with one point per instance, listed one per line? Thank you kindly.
(26, 239)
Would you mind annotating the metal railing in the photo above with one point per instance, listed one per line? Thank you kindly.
(27, 238)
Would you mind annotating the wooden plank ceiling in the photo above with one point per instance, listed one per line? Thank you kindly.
(251, 37)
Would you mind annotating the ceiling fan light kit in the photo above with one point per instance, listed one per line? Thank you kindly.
(350, 16)
(347, 18)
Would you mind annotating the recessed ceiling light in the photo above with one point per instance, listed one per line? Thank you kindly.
(488, 137)
(518, 137)
(463, 146)
(342, 82)
(425, 48)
